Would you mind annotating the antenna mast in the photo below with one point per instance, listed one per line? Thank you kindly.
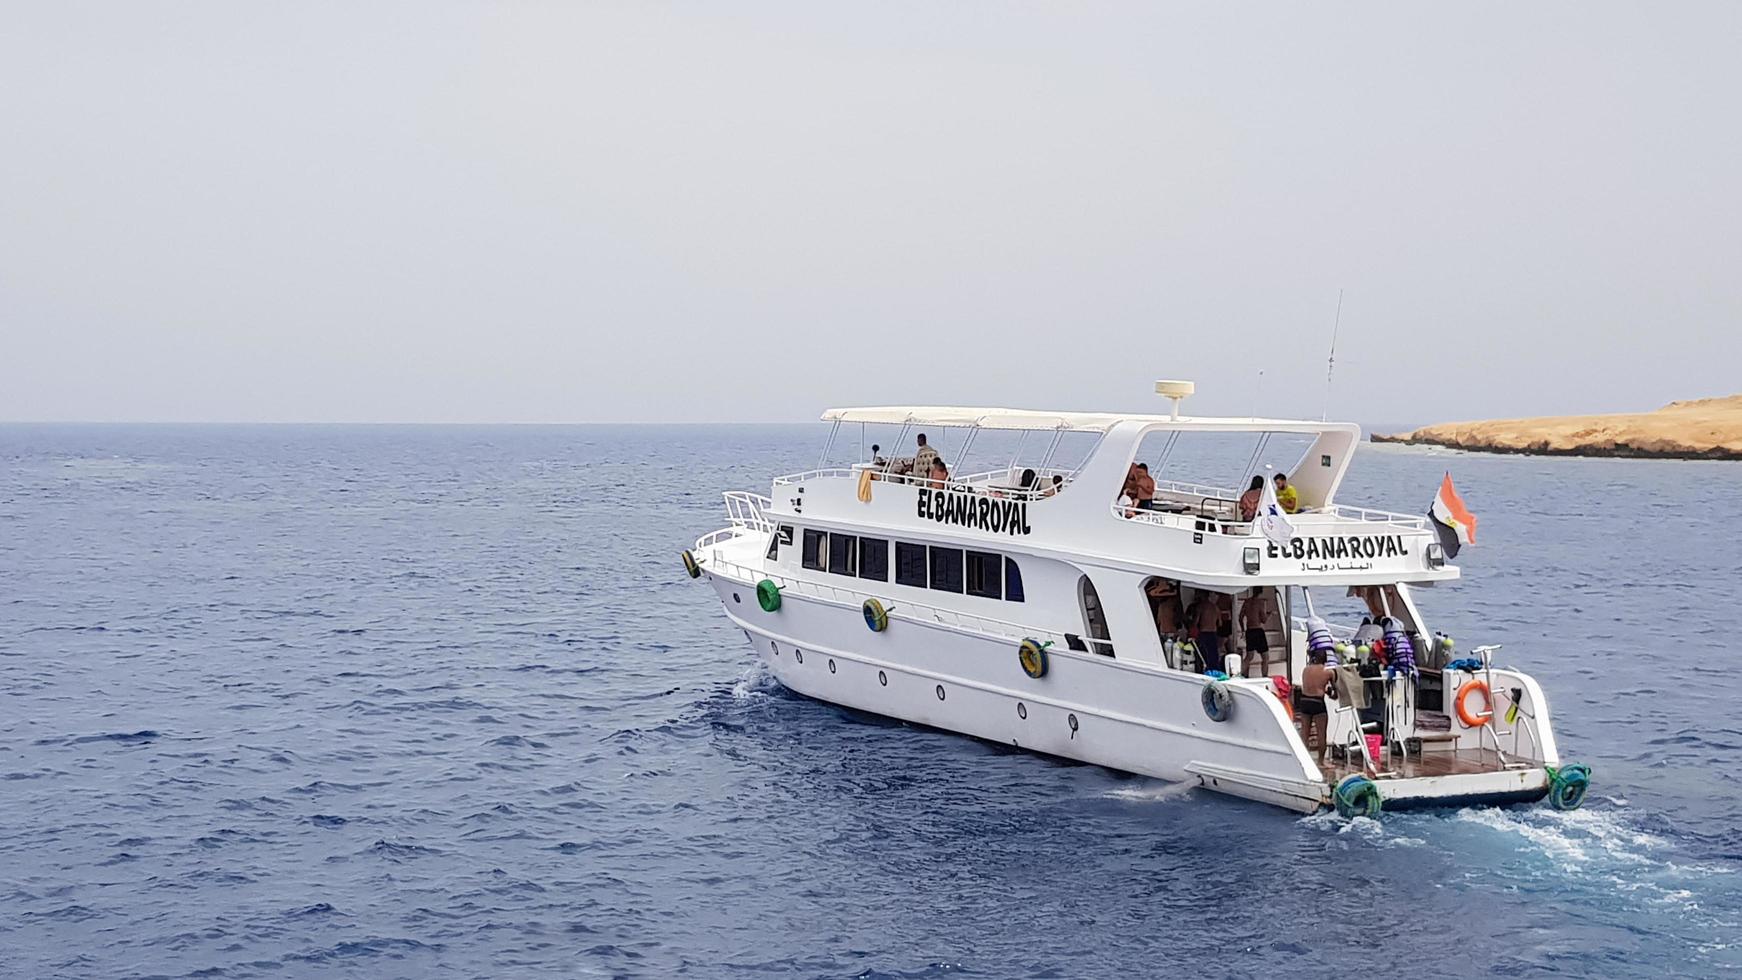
(1331, 362)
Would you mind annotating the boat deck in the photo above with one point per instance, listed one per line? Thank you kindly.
(1427, 764)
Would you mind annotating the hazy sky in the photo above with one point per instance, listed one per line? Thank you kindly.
(596, 211)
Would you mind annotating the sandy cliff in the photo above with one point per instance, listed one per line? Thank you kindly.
(1710, 428)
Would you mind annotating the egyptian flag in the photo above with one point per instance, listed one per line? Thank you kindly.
(1454, 522)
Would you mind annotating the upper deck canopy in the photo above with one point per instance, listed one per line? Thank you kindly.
(1031, 420)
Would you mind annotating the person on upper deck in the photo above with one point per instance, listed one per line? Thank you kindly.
(923, 457)
(1143, 487)
(1057, 481)
(1249, 500)
(1287, 497)
(1030, 482)
(940, 473)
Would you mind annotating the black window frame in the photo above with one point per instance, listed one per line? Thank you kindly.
(876, 550)
(814, 554)
(908, 558)
(945, 568)
(983, 565)
(846, 547)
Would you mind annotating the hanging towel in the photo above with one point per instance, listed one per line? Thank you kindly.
(1351, 688)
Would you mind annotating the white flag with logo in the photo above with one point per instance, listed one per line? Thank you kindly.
(1271, 518)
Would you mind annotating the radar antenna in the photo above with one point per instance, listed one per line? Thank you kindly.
(1331, 361)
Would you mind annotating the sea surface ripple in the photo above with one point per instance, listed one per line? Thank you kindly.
(282, 701)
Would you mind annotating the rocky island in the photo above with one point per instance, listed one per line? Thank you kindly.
(1709, 428)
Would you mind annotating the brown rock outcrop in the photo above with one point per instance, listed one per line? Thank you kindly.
(1709, 428)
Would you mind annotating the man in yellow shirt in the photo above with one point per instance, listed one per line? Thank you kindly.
(1286, 496)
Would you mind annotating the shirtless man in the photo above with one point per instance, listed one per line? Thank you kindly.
(1207, 617)
(1164, 598)
(1255, 616)
(1142, 487)
(1315, 677)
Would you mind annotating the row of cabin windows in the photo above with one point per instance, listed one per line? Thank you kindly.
(977, 573)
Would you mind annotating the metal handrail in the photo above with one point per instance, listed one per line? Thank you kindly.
(953, 484)
(1187, 521)
(832, 471)
(745, 509)
(1367, 515)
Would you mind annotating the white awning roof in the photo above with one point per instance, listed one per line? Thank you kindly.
(1028, 419)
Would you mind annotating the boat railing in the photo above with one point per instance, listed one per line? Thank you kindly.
(845, 472)
(714, 538)
(1368, 515)
(1186, 520)
(1337, 630)
(897, 609)
(969, 484)
(1197, 490)
(748, 510)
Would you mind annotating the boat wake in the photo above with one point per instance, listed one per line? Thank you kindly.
(1379, 833)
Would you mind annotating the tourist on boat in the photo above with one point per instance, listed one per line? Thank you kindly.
(1255, 616)
(1315, 677)
(1249, 499)
(1057, 481)
(1142, 487)
(1206, 620)
(1165, 606)
(1029, 479)
(1286, 496)
(923, 457)
(939, 472)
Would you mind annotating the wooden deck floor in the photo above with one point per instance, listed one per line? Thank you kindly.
(1427, 764)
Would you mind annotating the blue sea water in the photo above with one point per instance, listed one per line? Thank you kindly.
(285, 701)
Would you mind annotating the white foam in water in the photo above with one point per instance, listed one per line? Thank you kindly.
(1575, 837)
(1380, 833)
(755, 681)
(1151, 791)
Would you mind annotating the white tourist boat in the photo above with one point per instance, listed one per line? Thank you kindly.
(1020, 604)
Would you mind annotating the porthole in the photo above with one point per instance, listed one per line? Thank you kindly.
(775, 647)
(1022, 711)
(798, 655)
(831, 665)
(940, 692)
(1071, 720)
(735, 597)
(883, 678)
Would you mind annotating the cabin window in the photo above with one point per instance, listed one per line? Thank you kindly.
(773, 546)
(946, 569)
(1012, 580)
(843, 554)
(910, 564)
(874, 559)
(985, 575)
(1094, 618)
(815, 549)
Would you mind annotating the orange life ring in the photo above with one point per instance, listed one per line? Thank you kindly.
(1469, 718)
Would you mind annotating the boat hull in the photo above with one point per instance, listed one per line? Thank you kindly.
(1086, 708)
